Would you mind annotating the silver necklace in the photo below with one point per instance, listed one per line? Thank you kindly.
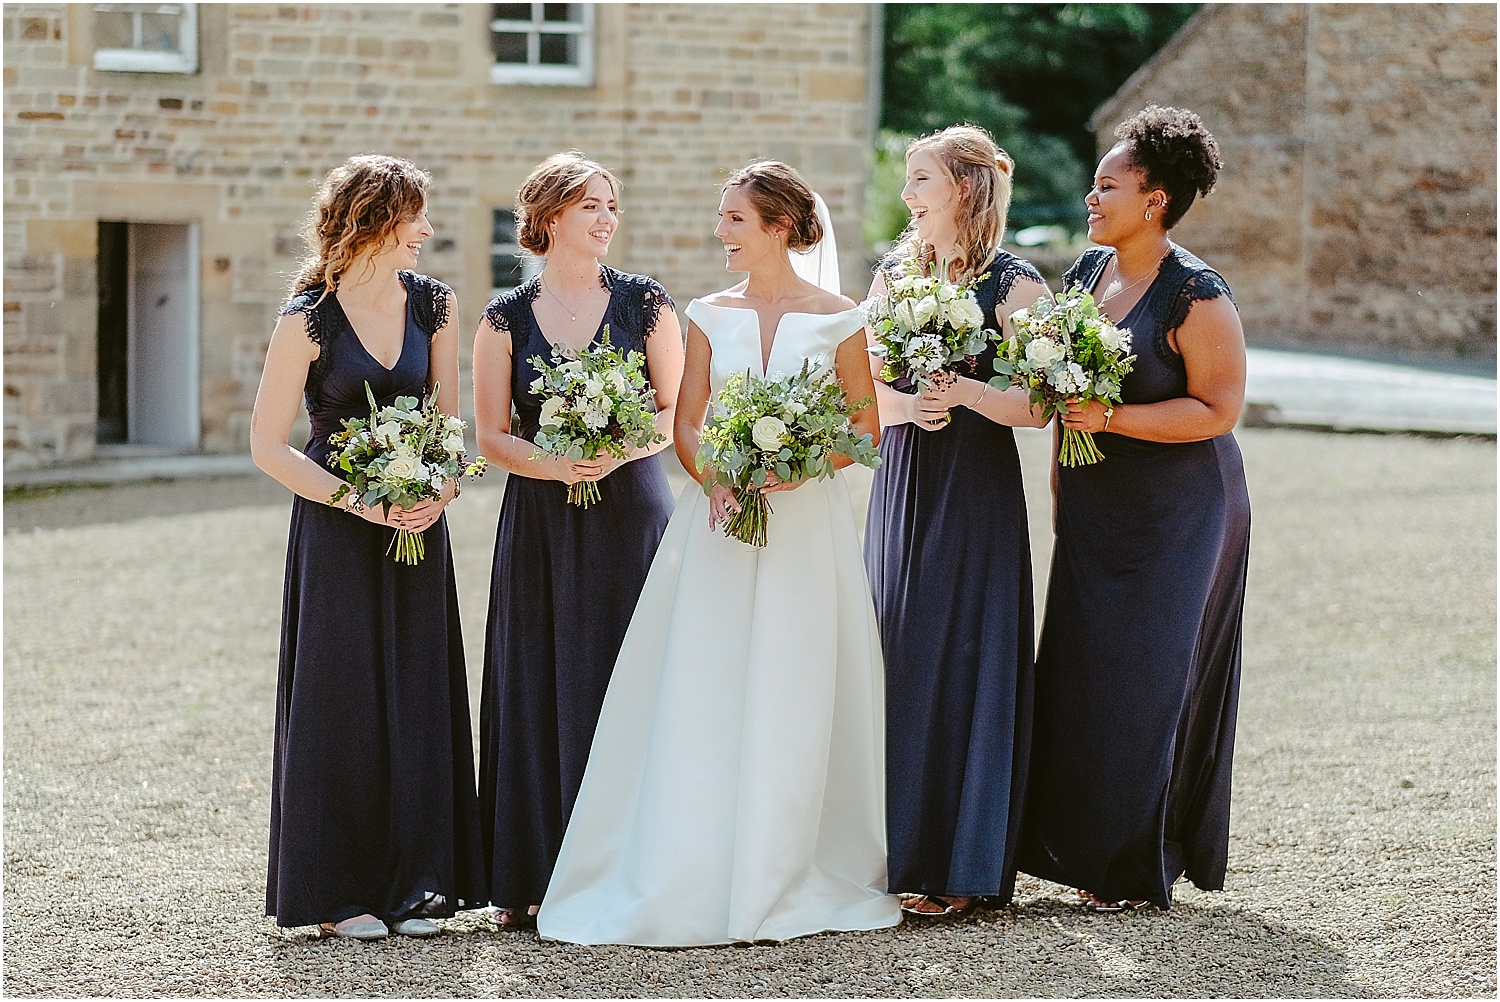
(1115, 262)
(572, 313)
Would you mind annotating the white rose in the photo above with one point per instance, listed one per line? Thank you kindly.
(906, 284)
(453, 424)
(551, 409)
(401, 468)
(965, 314)
(924, 310)
(767, 433)
(454, 442)
(1043, 352)
(618, 382)
(387, 434)
(945, 293)
(594, 386)
(795, 408)
(904, 315)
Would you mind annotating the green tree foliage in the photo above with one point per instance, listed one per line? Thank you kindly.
(1030, 73)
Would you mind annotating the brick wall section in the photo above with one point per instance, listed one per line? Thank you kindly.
(1356, 209)
(684, 93)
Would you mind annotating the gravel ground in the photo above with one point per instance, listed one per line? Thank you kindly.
(140, 648)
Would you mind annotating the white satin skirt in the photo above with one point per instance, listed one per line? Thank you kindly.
(735, 789)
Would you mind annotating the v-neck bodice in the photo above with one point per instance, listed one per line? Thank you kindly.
(336, 381)
(733, 333)
(635, 304)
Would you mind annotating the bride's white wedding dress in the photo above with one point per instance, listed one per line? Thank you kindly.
(735, 789)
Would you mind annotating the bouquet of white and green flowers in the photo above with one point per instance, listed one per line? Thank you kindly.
(787, 425)
(1064, 348)
(597, 401)
(400, 456)
(924, 325)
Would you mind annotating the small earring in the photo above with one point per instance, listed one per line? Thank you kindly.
(1148, 215)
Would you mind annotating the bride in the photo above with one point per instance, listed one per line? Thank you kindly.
(735, 787)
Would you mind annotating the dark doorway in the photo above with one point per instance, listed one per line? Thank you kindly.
(114, 331)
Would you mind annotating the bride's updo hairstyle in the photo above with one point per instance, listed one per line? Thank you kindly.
(1174, 152)
(555, 184)
(980, 171)
(357, 209)
(780, 196)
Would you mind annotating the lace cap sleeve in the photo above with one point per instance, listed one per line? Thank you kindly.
(309, 305)
(1198, 287)
(1006, 269)
(505, 312)
(1085, 268)
(431, 300)
(654, 301)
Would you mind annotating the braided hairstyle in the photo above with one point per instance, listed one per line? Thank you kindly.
(1175, 152)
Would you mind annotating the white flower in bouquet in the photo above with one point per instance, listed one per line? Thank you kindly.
(904, 313)
(596, 412)
(1064, 348)
(401, 455)
(923, 311)
(768, 433)
(925, 325)
(388, 433)
(401, 467)
(744, 443)
(552, 409)
(964, 314)
(1043, 352)
(595, 402)
(1113, 338)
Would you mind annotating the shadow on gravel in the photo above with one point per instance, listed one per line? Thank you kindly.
(1190, 951)
(1046, 948)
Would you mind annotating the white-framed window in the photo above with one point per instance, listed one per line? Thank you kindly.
(542, 43)
(509, 264)
(146, 37)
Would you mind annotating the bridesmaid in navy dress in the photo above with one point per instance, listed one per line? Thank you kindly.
(948, 558)
(1139, 666)
(374, 814)
(565, 578)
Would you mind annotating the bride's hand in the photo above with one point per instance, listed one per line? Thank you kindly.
(773, 485)
(721, 504)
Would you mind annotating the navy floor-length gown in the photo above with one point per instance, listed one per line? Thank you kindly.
(1139, 664)
(949, 562)
(564, 585)
(373, 801)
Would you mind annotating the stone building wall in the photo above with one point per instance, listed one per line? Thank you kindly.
(683, 94)
(1356, 208)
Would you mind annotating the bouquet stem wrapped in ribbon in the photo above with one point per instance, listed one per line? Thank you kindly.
(925, 325)
(787, 425)
(1062, 349)
(597, 401)
(400, 456)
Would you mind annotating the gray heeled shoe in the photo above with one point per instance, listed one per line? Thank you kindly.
(415, 927)
(358, 927)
